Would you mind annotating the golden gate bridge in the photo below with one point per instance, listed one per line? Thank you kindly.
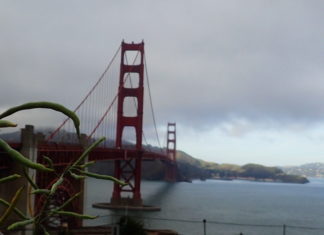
(113, 108)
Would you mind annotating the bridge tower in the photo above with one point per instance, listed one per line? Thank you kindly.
(171, 141)
(129, 170)
(171, 171)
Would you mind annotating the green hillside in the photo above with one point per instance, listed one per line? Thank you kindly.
(192, 168)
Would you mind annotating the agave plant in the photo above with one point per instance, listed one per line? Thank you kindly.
(76, 169)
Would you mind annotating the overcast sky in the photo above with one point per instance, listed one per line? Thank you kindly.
(243, 80)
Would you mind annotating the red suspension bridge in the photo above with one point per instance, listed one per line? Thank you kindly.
(113, 108)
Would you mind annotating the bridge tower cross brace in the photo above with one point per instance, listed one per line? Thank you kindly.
(129, 170)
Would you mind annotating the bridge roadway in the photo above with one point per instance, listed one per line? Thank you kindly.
(63, 154)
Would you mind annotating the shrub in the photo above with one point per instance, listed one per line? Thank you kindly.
(129, 225)
(76, 169)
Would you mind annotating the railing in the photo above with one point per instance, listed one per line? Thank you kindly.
(207, 227)
(211, 227)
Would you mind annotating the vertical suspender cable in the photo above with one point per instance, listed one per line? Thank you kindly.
(86, 97)
(151, 103)
(110, 106)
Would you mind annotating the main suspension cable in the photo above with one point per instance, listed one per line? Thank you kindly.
(151, 103)
(114, 100)
(86, 97)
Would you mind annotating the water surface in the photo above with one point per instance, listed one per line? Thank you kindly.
(233, 202)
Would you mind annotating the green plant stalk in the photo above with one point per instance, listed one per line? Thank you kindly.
(30, 180)
(49, 161)
(68, 201)
(16, 210)
(87, 151)
(103, 177)
(20, 224)
(77, 215)
(12, 205)
(55, 185)
(45, 105)
(5, 123)
(41, 191)
(9, 178)
(87, 164)
(77, 177)
(21, 159)
(45, 231)
(42, 216)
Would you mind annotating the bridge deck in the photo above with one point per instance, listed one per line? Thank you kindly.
(63, 154)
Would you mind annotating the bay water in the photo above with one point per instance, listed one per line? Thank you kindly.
(228, 207)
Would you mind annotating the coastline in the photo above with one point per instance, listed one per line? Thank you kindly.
(296, 180)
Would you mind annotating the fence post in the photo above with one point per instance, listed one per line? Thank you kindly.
(284, 229)
(204, 221)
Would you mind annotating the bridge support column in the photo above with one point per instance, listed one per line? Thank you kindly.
(129, 170)
(137, 189)
(7, 190)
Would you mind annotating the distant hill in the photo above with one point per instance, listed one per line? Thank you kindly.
(315, 169)
(192, 168)
(11, 136)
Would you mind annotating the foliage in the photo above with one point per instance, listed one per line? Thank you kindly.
(260, 172)
(292, 178)
(76, 170)
(129, 225)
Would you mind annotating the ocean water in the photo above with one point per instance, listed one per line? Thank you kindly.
(229, 207)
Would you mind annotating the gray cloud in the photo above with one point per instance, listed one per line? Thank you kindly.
(209, 62)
